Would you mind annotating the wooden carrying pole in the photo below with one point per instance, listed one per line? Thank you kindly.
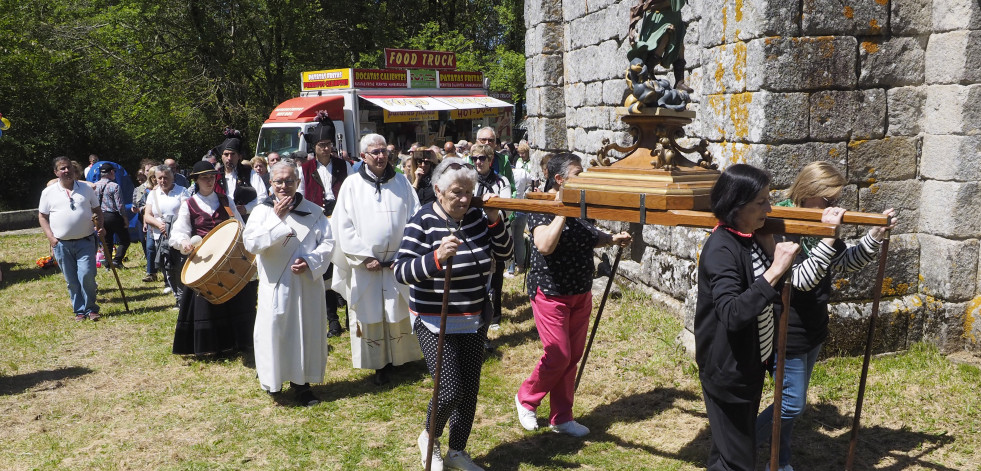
(434, 404)
(876, 297)
(599, 315)
(112, 266)
(778, 374)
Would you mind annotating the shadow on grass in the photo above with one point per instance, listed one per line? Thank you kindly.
(409, 373)
(19, 383)
(900, 448)
(15, 274)
(544, 449)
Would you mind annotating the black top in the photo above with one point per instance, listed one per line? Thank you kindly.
(425, 191)
(730, 297)
(569, 268)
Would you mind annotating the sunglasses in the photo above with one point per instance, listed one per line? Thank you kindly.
(459, 166)
(479, 158)
(423, 162)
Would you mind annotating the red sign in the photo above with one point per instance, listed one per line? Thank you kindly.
(457, 79)
(371, 78)
(413, 59)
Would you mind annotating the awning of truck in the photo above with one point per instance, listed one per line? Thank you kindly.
(398, 107)
(306, 108)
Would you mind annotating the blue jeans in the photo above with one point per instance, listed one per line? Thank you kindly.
(77, 261)
(796, 377)
(151, 254)
(518, 233)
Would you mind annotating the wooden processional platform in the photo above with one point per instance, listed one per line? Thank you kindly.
(656, 184)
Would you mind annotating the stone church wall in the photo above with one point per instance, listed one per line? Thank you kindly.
(887, 90)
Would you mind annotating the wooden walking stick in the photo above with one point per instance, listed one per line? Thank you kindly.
(778, 374)
(876, 297)
(102, 240)
(434, 405)
(599, 314)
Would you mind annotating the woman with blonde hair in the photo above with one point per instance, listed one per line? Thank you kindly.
(818, 185)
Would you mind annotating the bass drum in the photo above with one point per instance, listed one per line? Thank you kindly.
(220, 267)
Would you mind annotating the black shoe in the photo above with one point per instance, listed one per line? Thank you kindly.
(118, 264)
(488, 347)
(334, 330)
(381, 377)
(307, 398)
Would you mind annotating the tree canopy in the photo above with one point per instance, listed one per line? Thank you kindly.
(134, 79)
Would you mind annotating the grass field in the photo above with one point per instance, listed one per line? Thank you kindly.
(110, 395)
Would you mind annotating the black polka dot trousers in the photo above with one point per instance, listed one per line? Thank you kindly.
(459, 383)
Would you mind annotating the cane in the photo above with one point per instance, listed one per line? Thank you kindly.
(599, 314)
(778, 375)
(102, 239)
(439, 363)
(876, 297)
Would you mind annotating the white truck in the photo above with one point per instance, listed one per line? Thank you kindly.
(425, 106)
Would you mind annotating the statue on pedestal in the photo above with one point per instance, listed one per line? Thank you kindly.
(656, 37)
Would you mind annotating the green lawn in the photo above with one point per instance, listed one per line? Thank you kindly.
(110, 395)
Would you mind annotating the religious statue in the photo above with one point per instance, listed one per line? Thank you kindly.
(656, 37)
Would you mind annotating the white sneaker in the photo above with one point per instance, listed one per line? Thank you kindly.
(526, 417)
(572, 428)
(168, 290)
(782, 468)
(437, 455)
(494, 327)
(460, 460)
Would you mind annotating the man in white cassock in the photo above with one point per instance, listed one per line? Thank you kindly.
(372, 210)
(292, 241)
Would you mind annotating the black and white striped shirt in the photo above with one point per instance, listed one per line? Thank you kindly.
(416, 266)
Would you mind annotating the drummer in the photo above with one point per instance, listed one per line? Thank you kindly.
(202, 327)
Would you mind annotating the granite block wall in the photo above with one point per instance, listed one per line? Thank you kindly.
(888, 90)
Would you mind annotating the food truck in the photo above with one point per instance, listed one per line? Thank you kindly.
(406, 104)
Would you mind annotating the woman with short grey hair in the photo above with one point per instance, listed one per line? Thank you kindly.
(474, 239)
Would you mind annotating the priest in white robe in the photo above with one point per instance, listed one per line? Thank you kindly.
(372, 210)
(292, 241)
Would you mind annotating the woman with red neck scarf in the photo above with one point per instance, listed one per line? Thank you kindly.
(738, 273)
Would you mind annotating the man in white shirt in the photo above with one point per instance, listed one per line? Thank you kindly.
(65, 213)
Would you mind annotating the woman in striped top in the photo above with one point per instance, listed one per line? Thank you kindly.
(473, 238)
(818, 185)
(738, 271)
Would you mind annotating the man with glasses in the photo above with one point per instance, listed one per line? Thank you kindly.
(321, 181)
(65, 214)
(502, 166)
(369, 220)
(292, 241)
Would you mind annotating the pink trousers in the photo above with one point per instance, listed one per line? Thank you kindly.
(562, 323)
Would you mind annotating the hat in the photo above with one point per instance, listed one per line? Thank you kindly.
(202, 168)
(106, 168)
(233, 141)
(323, 131)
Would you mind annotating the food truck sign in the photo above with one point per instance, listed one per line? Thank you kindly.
(415, 59)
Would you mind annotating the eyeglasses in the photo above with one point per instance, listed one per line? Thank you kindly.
(379, 151)
(283, 182)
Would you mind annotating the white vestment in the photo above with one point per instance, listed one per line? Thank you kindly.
(370, 224)
(290, 327)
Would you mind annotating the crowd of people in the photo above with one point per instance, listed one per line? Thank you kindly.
(389, 234)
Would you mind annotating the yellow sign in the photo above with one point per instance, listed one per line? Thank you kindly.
(406, 116)
(474, 113)
(326, 79)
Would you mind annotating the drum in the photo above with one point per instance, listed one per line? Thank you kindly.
(220, 267)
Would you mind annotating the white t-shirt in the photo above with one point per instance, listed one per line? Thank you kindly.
(163, 205)
(67, 223)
